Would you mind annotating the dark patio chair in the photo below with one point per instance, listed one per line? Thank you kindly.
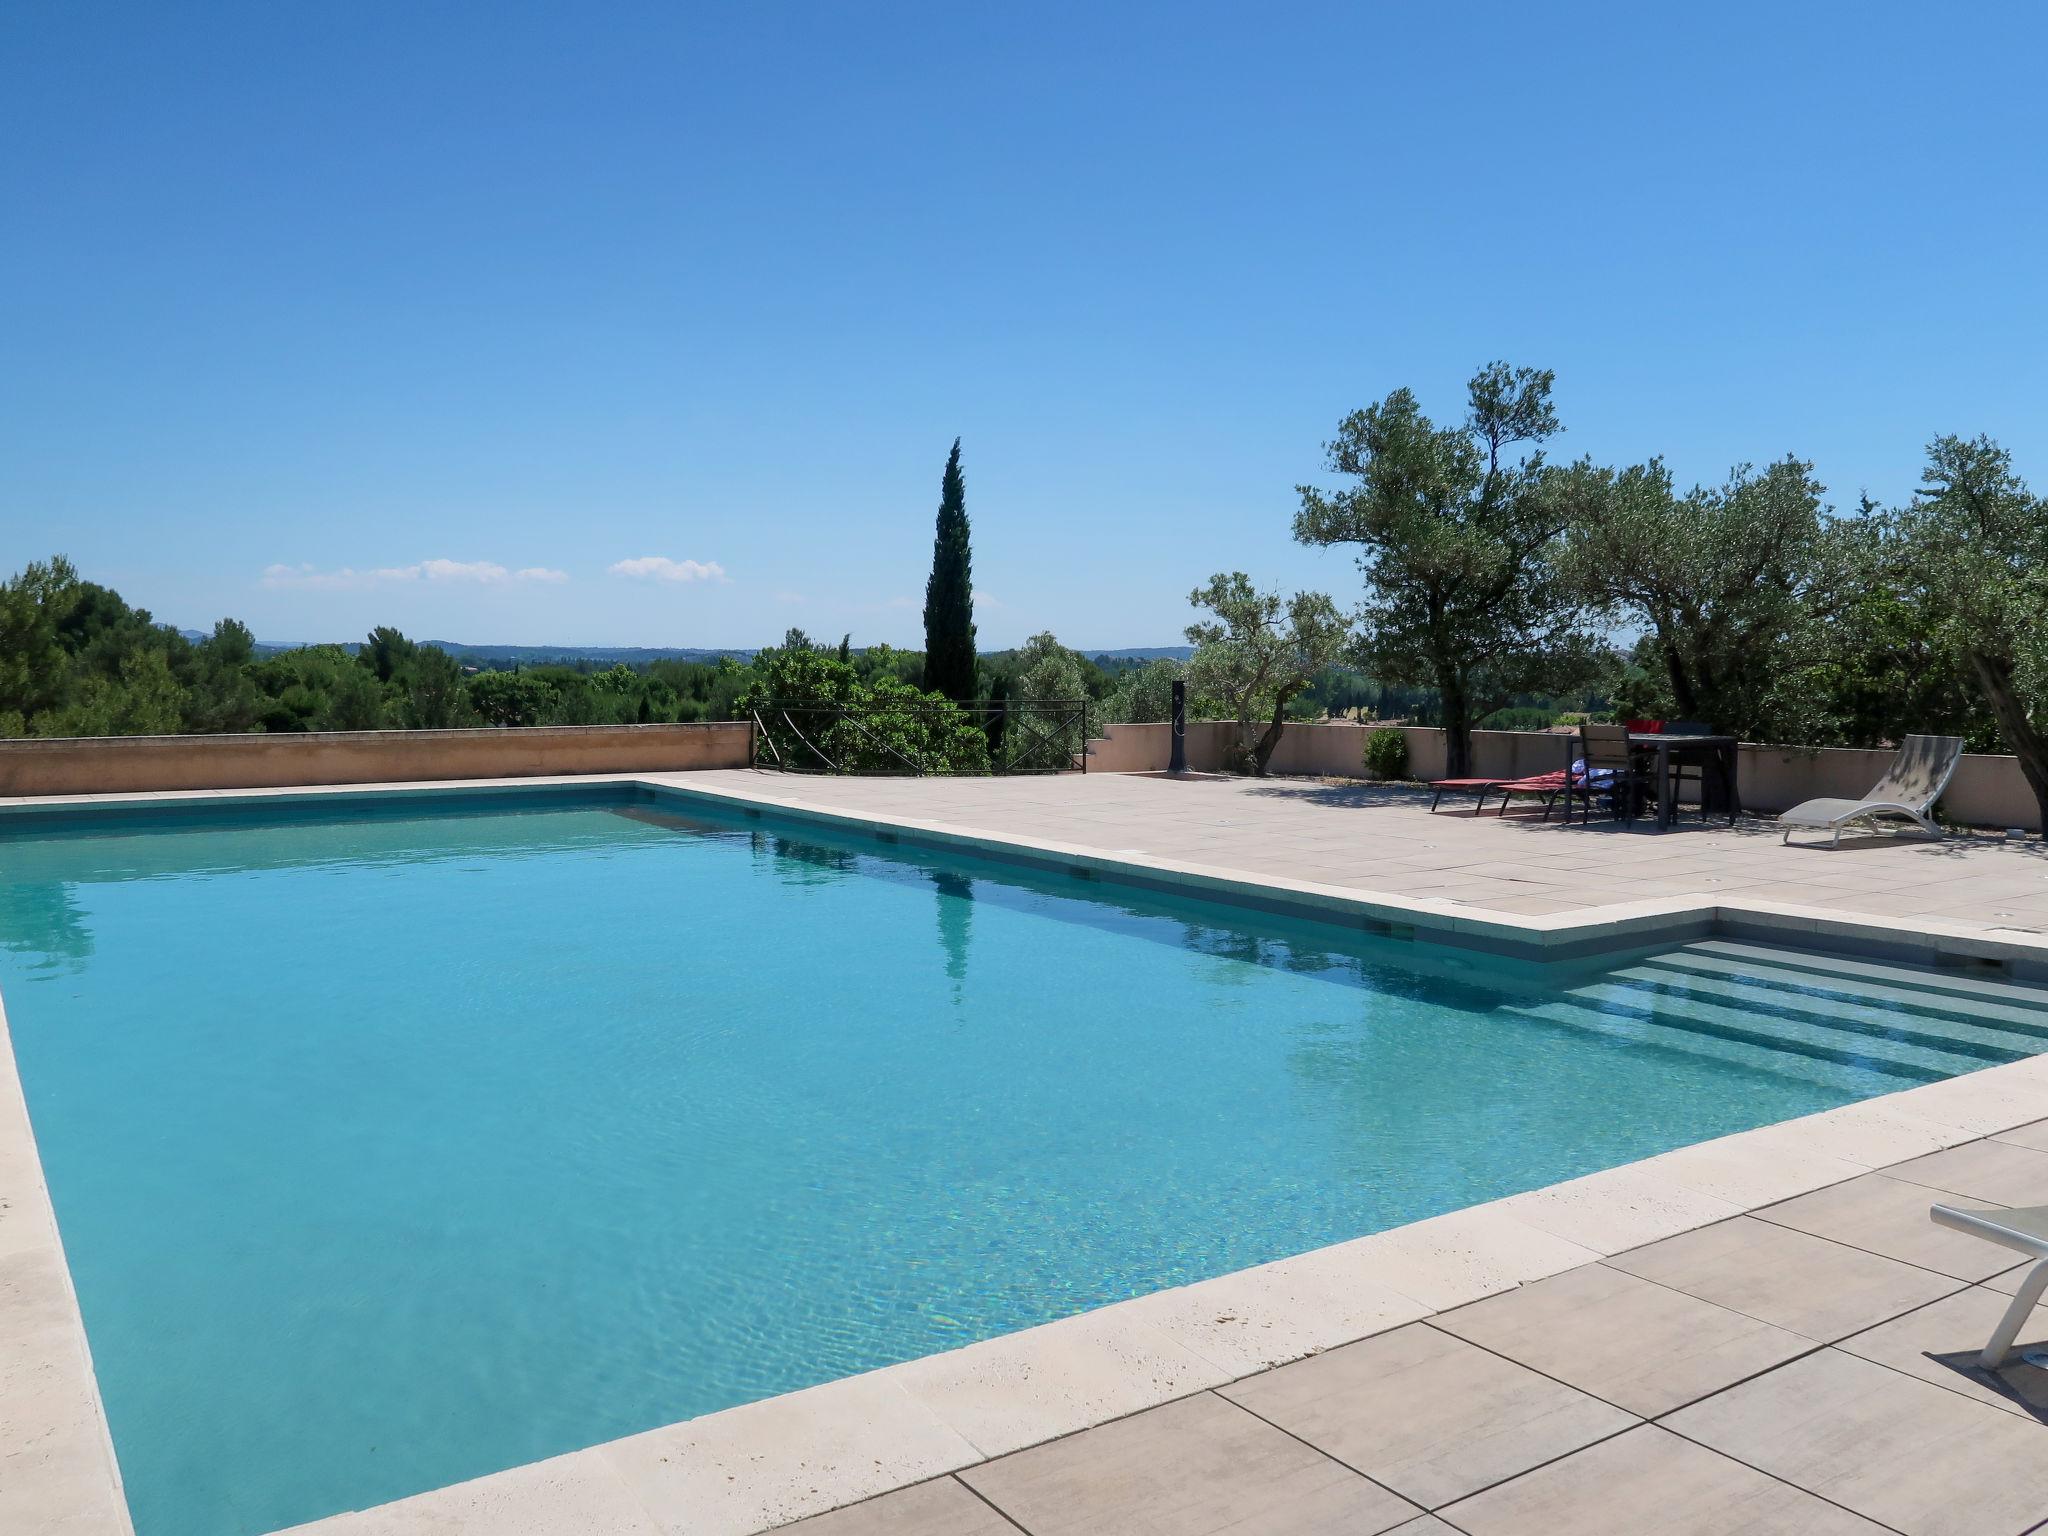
(1608, 766)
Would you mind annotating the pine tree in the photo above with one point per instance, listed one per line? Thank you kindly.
(949, 595)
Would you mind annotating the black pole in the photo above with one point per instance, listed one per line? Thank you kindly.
(1179, 763)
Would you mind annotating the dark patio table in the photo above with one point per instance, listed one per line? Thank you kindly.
(1719, 761)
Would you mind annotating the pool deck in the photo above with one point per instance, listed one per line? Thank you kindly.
(1762, 1333)
(1382, 840)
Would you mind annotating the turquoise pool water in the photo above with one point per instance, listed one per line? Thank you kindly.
(394, 1145)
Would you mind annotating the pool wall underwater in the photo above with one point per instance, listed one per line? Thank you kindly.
(743, 1468)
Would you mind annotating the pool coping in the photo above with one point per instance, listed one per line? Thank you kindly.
(758, 1465)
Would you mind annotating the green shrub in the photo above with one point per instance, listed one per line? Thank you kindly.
(1525, 718)
(818, 715)
(1386, 753)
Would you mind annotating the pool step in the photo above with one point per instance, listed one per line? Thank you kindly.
(2022, 1034)
(1893, 1041)
(1638, 1025)
(1825, 969)
(1958, 998)
(1722, 999)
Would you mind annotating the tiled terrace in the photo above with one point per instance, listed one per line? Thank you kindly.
(1382, 839)
(1807, 1368)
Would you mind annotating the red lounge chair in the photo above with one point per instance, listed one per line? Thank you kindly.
(1484, 786)
(1549, 785)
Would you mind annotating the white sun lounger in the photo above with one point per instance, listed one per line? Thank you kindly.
(1920, 771)
(2024, 1230)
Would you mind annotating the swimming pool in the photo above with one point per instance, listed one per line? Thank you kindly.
(397, 1141)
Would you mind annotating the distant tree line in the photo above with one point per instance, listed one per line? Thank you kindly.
(1500, 589)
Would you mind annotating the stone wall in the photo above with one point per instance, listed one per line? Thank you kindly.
(1987, 791)
(123, 764)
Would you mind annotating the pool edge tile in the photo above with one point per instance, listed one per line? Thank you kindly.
(1037, 1384)
(1253, 1319)
(578, 1494)
(1618, 1208)
(58, 1471)
(767, 1463)
(1464, 1255)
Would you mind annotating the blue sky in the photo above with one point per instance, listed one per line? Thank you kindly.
(433, 314)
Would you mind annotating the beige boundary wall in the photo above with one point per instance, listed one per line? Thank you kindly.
(123, 764)
(1987, 791)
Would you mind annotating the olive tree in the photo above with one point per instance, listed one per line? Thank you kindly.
(1975, 547)
(1257, 653)
(1732, 587)
(1145, 693)
(1048, 726)
(1459, 531)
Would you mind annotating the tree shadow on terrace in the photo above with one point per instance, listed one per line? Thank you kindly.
(1526, 816)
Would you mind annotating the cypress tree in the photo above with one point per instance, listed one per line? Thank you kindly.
(949, 595)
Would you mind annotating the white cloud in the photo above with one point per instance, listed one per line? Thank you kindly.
(791, 598)
(661, 568)
(486, 571)
(348, 578)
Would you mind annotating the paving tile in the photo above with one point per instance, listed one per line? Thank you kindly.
(1809, 1285)
(1532, 905)
(1430, 1416)
(2008, 1281)
(1996, 1171)
(1638, 1345)
(1889, 1216)
(1941, 1341)
(1908, 1454)
(1423, 1525)
(1009, 1392)
(942, 1507)
(1195, 1466)
(1650, 1480)
(2034, 1136)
